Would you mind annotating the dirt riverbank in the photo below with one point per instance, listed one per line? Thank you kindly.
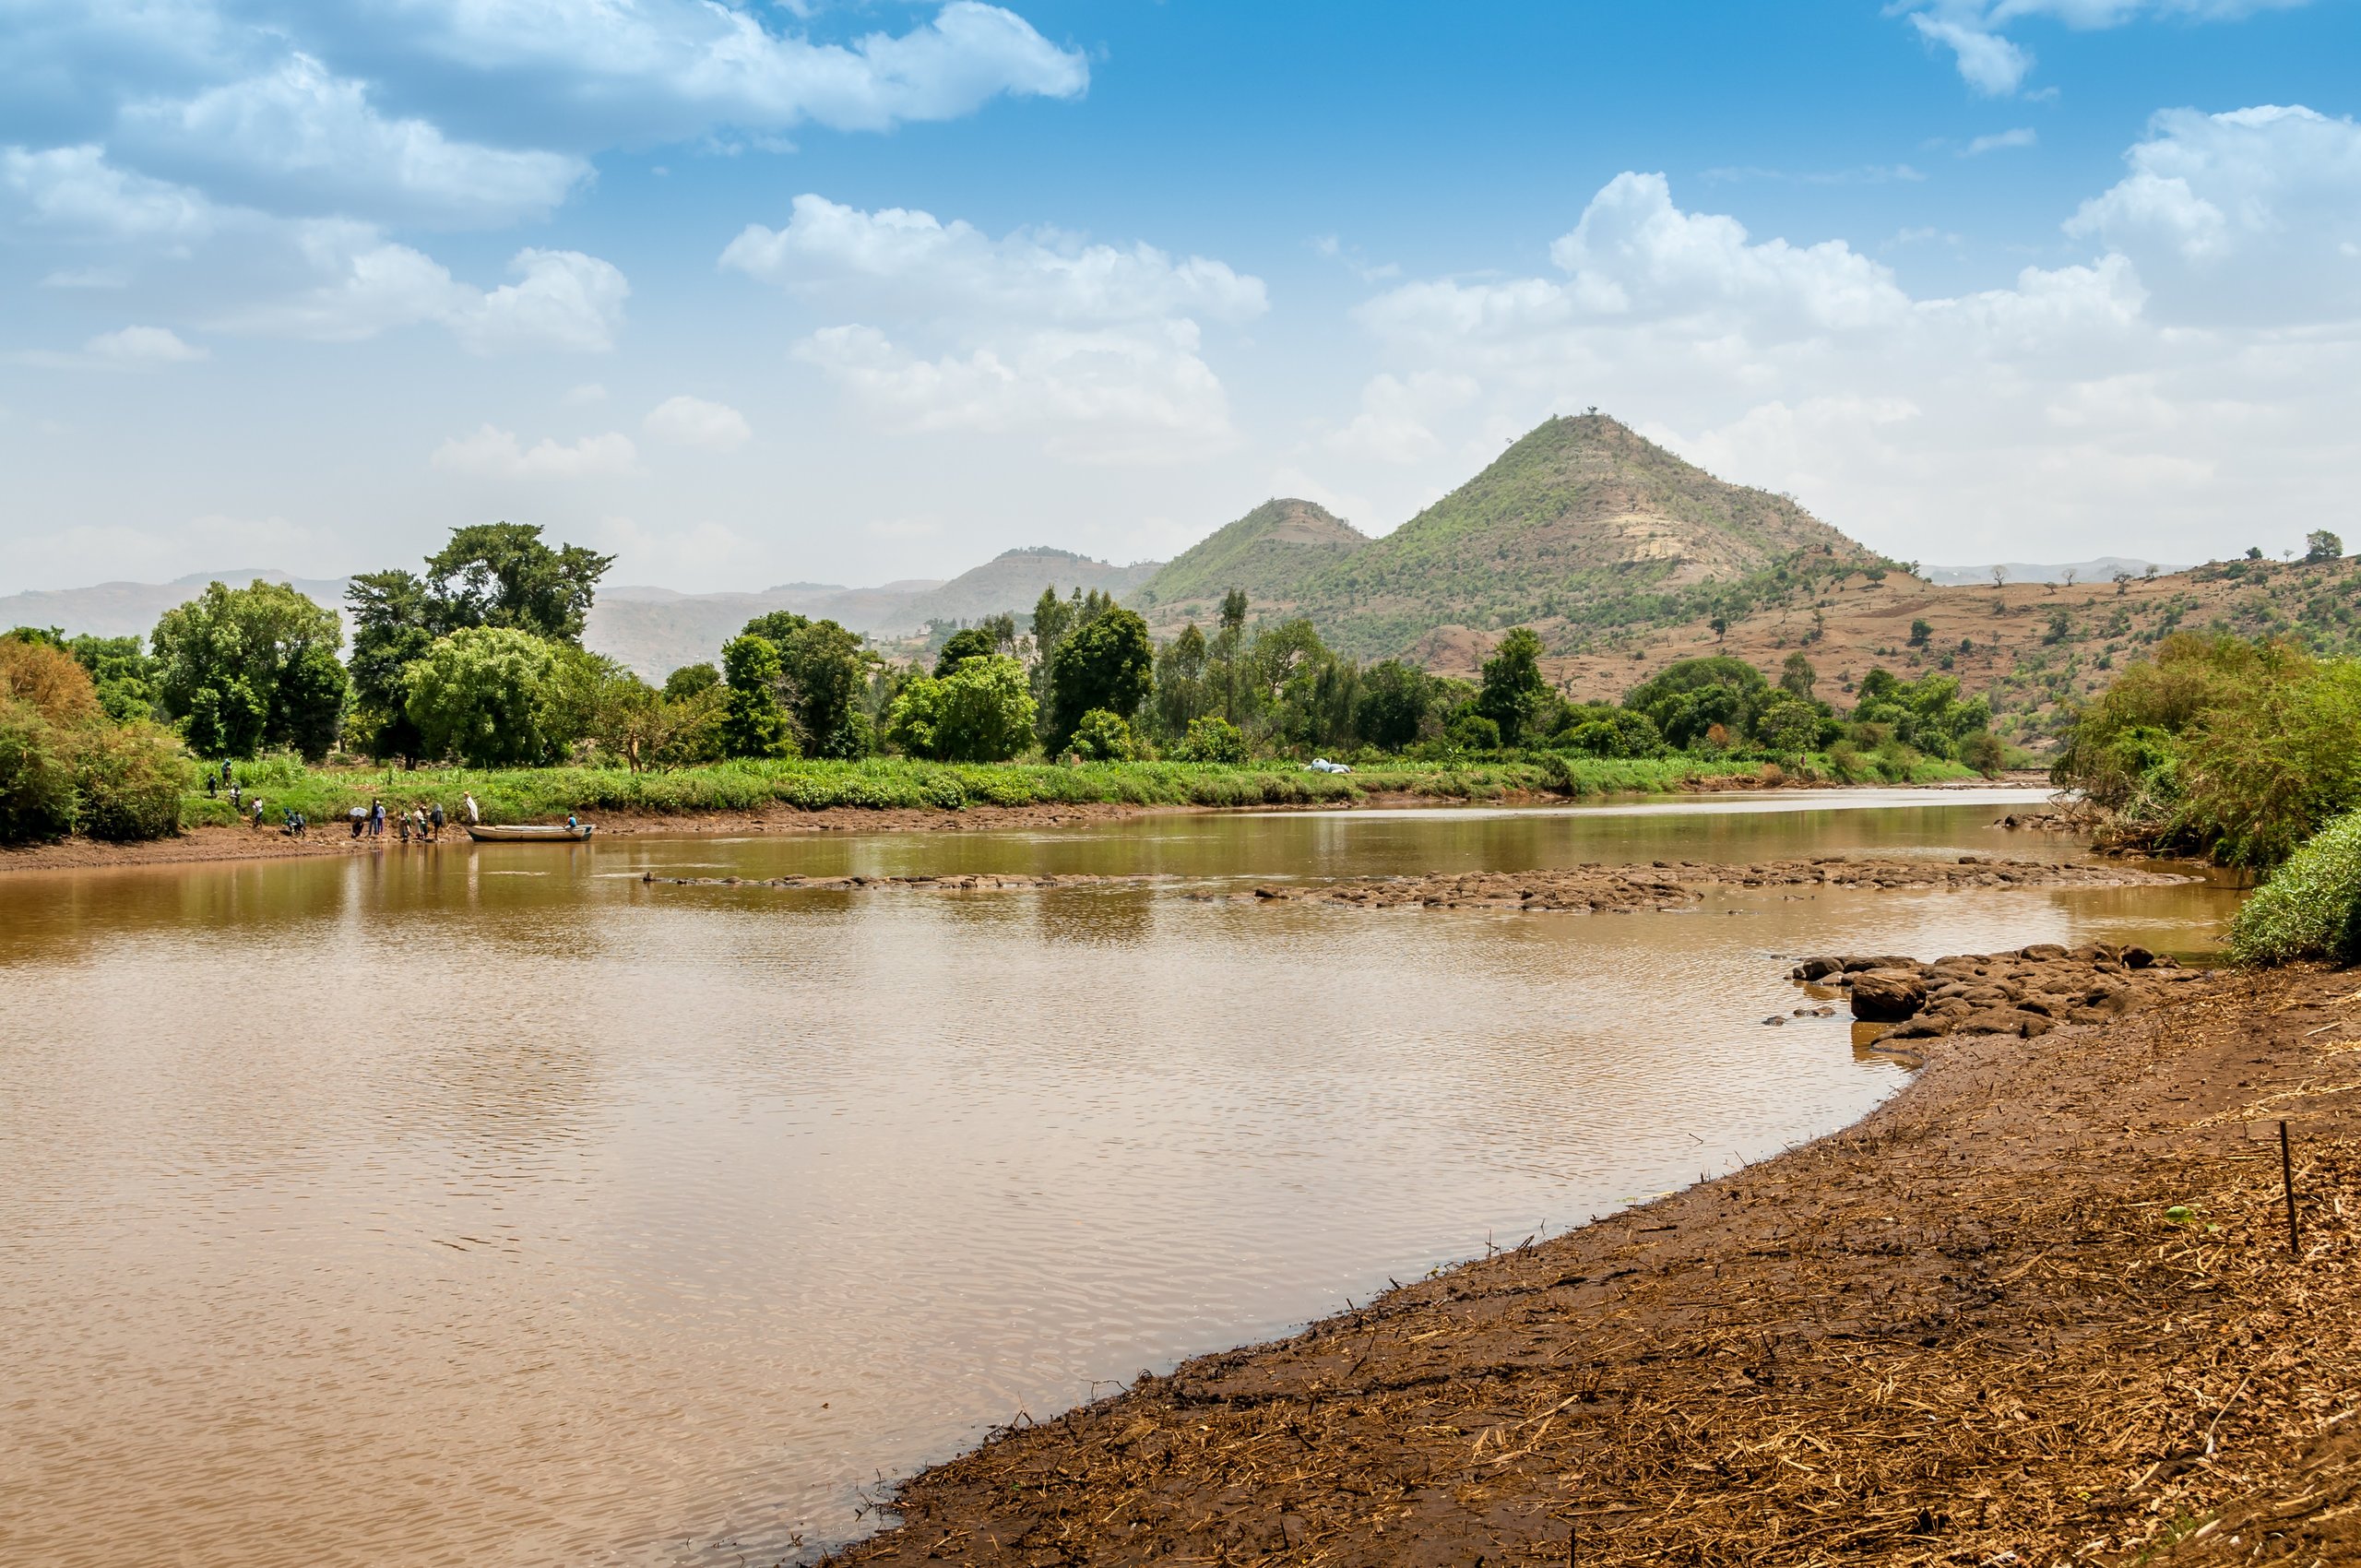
(2040, 1309)
(199, 845)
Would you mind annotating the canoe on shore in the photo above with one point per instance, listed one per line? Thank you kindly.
(483, 833)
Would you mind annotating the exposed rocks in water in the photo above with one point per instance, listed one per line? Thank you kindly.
(2028, 992)
(1667, 884)
(979, 880)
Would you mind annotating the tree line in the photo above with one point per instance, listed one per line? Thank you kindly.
(476, 658)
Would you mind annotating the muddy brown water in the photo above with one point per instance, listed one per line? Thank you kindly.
(488, 1205)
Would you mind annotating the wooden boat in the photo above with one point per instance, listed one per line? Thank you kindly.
(484, 833)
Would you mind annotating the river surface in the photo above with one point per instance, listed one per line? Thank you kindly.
(488, 1205)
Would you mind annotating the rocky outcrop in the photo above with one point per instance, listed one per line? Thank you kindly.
(1670, 884)
(2028, 992)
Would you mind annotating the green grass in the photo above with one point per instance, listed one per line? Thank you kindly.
(2311, 906)
(515, 795)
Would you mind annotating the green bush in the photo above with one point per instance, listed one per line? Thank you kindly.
(129, 781)
(36, 778)
(1212, 739)
(2311, 906)
(1103, 737)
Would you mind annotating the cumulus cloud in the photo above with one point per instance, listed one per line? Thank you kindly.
(2203, 361)
(142, 348)
(1993, 65)
(912, 263)
(1094, 347)
(493, 453)
(300, 138)
(692, 422)
(181, 129)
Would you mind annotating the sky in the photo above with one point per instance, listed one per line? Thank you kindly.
(755, 291)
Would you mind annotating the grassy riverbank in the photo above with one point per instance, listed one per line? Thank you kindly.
(2038, 1309)
(883, 783)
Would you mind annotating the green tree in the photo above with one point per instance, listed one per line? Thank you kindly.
(242, 668)
(502, 574)
(823, 671)
(1788, 725)
(690, 680)
(1513, 693)
(968, 642)
(1920, 631)
(1109, 663)
(753, 722)
(480, 695)
(982, 711)
(1225, 681)
(1180, 681)
(2322, 545)
(1687, 699)
(1395, 699)
(1798, 677)
(393, 622)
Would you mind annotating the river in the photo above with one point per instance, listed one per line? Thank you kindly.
(491, 1206)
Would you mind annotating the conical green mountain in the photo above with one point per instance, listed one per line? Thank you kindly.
(1271, 552)
(1581, 522)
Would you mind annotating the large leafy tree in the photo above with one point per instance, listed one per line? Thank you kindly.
(982, 711)
(242, 668)
(502, 574)
(488, 574)
(1108, 662)
(481, 694)
(1515, 694)
(753, 724)
(823, 670)
(1395, 699)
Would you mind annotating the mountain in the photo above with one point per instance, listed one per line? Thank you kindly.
(2102, 570)
(122, 609)
(1581, 521)
(1014, 579)
(1271, 552)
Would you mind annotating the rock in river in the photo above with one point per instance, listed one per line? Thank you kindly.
(1887, 996)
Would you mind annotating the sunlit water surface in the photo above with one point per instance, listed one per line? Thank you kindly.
(491, 1206)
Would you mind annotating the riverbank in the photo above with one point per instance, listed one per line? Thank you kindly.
(2039, 1308)
(879, 796)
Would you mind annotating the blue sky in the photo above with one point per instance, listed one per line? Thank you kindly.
(754, 292)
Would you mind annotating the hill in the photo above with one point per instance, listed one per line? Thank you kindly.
(1271, 552)
(123, 610)
(1583, 522)
(1013, 580)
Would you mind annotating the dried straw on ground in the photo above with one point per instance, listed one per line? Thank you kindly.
(2040, 1310)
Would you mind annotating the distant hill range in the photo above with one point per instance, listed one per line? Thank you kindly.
(1582, 521)
(2103, 570)
(653, 630)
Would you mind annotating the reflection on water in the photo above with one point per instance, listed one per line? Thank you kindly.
(488, 1205)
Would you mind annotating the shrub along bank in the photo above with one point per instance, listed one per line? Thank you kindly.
(508, 795)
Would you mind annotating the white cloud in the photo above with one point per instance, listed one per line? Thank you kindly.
(1094, 347)
(584, 395)
(911, 263)
(494, 453)
(692, 422)
(142, 348)
(75, 193)
(2022, 135)
(299, 137)
(2249, 215)
(1992, 64)
(563, 300)
(2202, 361)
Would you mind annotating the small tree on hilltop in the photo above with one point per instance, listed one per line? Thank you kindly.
(2322, 545)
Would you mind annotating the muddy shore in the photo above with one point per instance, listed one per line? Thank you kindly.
(2040, 1308)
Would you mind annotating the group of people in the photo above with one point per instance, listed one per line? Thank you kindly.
(425, 823)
